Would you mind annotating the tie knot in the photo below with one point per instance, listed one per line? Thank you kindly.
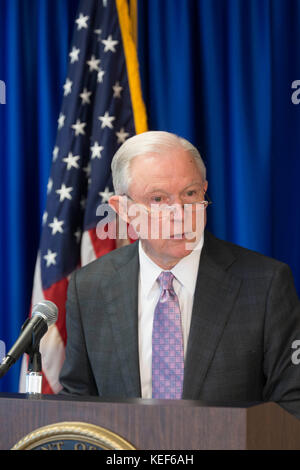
(165, 280)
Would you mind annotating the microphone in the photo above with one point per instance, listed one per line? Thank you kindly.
(44, 314)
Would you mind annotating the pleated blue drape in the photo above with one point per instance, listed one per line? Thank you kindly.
(34, 42)
(218, 72)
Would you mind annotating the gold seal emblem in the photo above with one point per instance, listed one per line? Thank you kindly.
(72, 436)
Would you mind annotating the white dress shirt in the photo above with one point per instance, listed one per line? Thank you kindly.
(185, 272)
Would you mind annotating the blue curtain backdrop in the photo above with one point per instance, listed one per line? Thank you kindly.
(34, 46)
(218, 72)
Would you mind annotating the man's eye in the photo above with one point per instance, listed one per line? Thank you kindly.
(192, 192)
(156, 198)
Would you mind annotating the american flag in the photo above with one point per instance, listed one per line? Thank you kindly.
(102, 106)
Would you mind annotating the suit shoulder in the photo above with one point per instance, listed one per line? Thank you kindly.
(108, 263)
(246, 261)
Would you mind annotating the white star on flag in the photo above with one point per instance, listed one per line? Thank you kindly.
(122, 135)
(55, 153)
(77, 235)
(98, 32)
(85, 96)
(93, 63)
(68, 87)
(106, 120)
(82, 21)
(49, 185)
(117, 90)
(79, 127)
(71, 161)
(64, 192)
(56, 226)
(61, 120)
(96, 150)
(109, 44)
(87, 169)
(100, 75)
(106, 194)
(45, 217)
(50, 258)
(74, 55)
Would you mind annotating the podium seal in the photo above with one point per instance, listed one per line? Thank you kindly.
(72, 436)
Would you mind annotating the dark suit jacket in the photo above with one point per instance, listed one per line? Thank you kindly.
(246, 315)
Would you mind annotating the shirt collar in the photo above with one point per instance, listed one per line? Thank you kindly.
(185, 270)
(149, 271)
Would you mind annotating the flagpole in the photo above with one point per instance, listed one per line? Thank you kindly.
(130, 50)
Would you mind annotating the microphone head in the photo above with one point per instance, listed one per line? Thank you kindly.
(47, 310)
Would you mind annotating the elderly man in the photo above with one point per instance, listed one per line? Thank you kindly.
(184, 315)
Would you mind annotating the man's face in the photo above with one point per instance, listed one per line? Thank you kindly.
(171, 178)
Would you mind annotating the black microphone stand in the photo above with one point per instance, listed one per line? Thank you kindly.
(34, 375)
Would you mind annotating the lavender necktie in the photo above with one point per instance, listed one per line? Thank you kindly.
(167, 342)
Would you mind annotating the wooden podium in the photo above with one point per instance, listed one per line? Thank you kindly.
(156, 424)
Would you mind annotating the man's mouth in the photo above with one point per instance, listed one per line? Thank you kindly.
(184, 236)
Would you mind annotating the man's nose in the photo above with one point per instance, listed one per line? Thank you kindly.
(176, 210)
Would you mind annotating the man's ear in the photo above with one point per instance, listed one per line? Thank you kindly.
(119, 205)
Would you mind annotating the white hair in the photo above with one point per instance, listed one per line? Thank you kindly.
(142, 144)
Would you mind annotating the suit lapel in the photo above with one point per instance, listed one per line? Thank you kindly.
(215, 294)
(121, 297)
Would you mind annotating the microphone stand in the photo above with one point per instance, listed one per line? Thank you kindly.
(34, 377)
